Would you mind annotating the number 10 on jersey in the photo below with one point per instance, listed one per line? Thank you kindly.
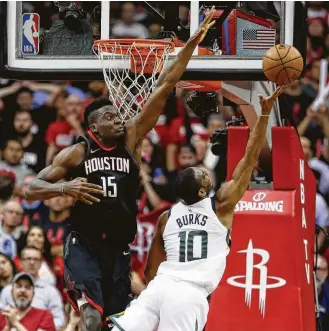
(187, 244)
(109, 187)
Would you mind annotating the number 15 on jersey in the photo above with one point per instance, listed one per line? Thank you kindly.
(109, 187)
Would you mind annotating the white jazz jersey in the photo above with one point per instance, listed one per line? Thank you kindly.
(196, 244)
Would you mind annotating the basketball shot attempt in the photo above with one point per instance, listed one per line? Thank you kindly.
(102, 173)
(187, 257)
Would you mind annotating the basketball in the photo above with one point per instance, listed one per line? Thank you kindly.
(282, 64)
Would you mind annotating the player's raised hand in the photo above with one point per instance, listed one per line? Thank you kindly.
(207, 23)
(80, 189)
(267, 103)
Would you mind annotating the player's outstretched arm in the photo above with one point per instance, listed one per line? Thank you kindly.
(147, 118)
(232, 191)
(45, 186)
(157, 252)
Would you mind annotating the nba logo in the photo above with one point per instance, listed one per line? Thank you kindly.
(30, 33)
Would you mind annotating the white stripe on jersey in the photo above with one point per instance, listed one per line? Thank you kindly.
(196, 245)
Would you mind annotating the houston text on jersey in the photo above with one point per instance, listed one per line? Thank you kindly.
(107, 163)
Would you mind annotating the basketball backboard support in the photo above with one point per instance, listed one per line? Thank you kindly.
(234, 59)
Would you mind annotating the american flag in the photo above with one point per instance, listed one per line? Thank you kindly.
(258, 39)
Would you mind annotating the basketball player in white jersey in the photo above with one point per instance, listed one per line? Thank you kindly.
(188, 254)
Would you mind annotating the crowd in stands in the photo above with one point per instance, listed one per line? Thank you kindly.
(39, 119)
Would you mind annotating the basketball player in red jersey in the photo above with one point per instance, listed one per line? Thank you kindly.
(104, 175)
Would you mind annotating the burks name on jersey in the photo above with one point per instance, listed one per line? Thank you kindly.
(192, 219)
(107, 163)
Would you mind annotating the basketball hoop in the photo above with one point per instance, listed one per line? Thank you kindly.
(130, 68)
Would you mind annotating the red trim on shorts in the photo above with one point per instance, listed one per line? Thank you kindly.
(73, 304)
(98, 142)
(93, 303)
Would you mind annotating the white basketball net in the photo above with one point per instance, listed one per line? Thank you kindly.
(129, 90)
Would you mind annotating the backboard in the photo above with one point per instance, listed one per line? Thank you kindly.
(37, 44)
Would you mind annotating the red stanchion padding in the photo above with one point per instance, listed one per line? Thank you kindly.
(268, 282)
(236, 147)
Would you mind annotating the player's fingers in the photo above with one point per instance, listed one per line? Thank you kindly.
(82, 179)
(211, 24)
(94, 186)
(83, 199)
(93, 190)
(210, 16)
(277, 92)
(90, 198)
(261, 98)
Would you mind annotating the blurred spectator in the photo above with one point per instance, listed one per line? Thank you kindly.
(315, 126)
(295, 100)
(20, 95)
(35, 212)
(7, 185)
(149, 199)
(321, 218)
(12, 154)
(36, 237)
(127, 27)
(200, 146)
(317, 165)
(323, 290)
(11, 218)
(96, 89)
(187, 157)
(316, 10)
(34, 148)
(154, 30)
(7, 270)
(152, 161)
(22, 316)
(311, 82)
(214, 122)
(57, 221)
(61, 133)
(45, 296)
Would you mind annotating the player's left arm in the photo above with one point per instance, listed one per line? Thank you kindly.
(144, 122)
(231, 192)
(157, 252)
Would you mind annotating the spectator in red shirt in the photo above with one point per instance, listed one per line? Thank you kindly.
(60, 134)
(23, 317)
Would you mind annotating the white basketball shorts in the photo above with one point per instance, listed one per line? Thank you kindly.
(166, 305)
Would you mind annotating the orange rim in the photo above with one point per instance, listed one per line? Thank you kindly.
(142, 45)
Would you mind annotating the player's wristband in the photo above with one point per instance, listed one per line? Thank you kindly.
(265, 115)
(63, 188)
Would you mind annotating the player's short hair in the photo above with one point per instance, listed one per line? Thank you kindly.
(187, 186)
(95, 105)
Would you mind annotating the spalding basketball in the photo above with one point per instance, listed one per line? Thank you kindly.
(282, 64)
